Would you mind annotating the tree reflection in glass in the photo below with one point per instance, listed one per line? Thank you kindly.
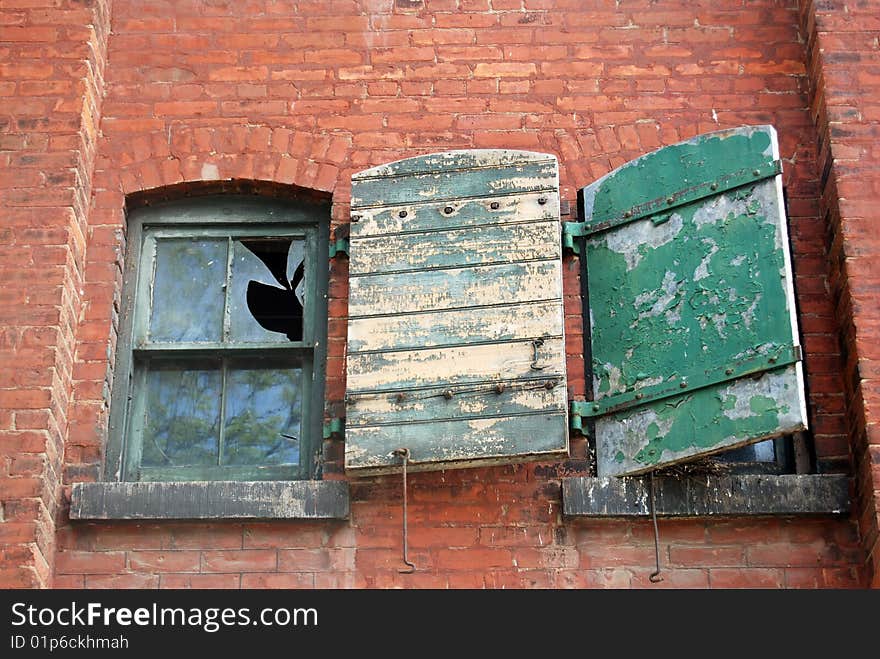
(263, 413)
(183, 417)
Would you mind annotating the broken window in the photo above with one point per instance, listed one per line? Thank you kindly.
(222, 344)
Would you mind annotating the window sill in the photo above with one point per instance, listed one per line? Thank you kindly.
(211, 500)
(695, 496)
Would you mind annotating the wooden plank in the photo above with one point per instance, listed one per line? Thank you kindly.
(440, 444)
(468, 401)
(455, 365)
(456, 248)
(434, 290)
(454, 184)
(452, 160)
(211, 500)
(483, 324)
(421, 216)
(698, 496)
(699, 423)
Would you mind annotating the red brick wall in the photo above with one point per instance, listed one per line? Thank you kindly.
(844, 65)
(52, 57)
(309, 92)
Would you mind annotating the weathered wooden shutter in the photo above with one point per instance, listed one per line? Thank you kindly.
(691, 306)
(455, 332)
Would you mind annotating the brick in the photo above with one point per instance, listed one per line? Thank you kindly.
(246, 560)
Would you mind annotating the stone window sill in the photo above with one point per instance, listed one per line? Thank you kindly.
(211, 500)
(697, 496)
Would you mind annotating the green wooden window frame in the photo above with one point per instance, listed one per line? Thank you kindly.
(298, 364)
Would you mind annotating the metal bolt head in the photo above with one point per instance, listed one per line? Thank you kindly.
(628, 214)
(639, 396)
(499, 388)
(494, 205)
(400, 397)
(447, 394)
(542, 200)
(549, 384)
(448, 210)
(714, 186)
(595, 407)
(355, 218)
(772, 360)
(757, 172)
(402, 214)
(728, 371)
(683, 384)
(670, 200)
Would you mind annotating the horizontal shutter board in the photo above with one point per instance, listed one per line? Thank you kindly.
(454, 443)
(456, 247)
(457, 288)
(483, 399)
(679, 296)
(712, 419)
(411, 369)
(455, 311)
(671, 172)
(426, 216)
(455, 327)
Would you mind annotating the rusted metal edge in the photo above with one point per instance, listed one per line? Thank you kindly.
(211, 500)
(697, 496)
(675, 386)
(667, 203)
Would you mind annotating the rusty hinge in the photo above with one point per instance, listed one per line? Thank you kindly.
(339, 242)
(334, 428)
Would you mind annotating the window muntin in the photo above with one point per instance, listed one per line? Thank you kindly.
(222, 347)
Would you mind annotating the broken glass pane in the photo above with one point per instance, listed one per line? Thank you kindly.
(187, 303)
(266, 300)
(263, 414)
(182, 416)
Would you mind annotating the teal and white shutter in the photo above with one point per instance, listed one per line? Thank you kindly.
(691, 306)
(455, 333)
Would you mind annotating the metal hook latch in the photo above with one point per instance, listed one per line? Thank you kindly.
(537, 343)
(403, 454)
(654, 577)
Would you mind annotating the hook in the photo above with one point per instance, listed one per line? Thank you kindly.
(655, 575)
(537, 343)
(403, 454)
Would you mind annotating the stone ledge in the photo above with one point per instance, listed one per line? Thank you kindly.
(211, 500)
(695, 496)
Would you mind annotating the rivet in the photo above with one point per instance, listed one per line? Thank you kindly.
(772, 360)
(448, 210)
(401, 397)
(640, 396)
(683, 384)
(714, 186)
(355, 218)
(494, 205)
(499, 388)
(402, 214)
(670, 200)
(595, 407)
(757, 172)
(447, 394)
(542, 200)
(628, 214)
(549, 384)
(728, 371)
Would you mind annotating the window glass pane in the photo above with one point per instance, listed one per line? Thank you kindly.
(760, 452)
(263, 414)
(182, 417)
(188, 290)
(266, 300)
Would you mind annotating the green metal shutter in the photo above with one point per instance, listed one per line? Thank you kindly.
(691, 307)
(455, 332)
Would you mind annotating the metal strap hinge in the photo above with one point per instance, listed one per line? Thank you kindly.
(339, 243)
(334, 428)
(676, 386)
